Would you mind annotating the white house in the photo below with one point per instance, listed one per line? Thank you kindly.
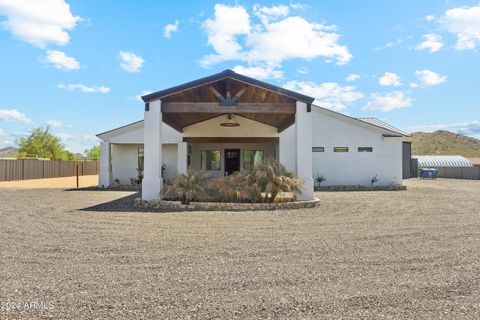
(227, 122)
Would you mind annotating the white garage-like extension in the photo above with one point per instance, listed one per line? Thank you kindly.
(228, 122)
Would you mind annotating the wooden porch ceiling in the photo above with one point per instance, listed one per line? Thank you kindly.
(228, 96)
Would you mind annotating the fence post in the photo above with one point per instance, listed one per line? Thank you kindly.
(77, 176)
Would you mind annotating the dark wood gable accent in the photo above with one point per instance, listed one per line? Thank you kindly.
(224, 93)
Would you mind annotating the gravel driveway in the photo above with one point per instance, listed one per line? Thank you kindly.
(396, 255)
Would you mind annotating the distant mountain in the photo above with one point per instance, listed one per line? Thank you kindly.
(9, 151)
(444, 143)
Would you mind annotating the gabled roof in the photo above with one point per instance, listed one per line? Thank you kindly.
(114, 131)
(374, 122)
(384, 125)
(223, 75)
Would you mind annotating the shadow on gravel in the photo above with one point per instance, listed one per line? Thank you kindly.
(124, 204)
(101, 189)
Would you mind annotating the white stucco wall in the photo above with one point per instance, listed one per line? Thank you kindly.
(133, 134)
(247, 128)
(125, 161)
(329, 130)
(287, 148)
(170, 160)
(332, 130)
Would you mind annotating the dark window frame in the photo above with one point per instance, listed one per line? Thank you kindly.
(252, 150)
(341, 149)
(365, 149)
(219, 161)
(318, 149)
(141, 163)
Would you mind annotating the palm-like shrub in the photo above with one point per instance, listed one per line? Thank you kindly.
(271, 178)
(236, 188)
(188, 187)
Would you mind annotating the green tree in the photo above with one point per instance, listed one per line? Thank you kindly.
(41, 143)
(67, 155)
(93, 153)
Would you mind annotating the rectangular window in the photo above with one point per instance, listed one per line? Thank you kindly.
(318, 149)
(365, 149)
(340, 149)
(140, 159)
(251, 158)
(210, 160)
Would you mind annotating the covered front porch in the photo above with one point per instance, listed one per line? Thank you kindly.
(226, 123)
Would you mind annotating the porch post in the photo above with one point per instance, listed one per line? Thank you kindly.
(303, 128)
(105, 176)
(152, 183)
(286, 149)
(181, 157)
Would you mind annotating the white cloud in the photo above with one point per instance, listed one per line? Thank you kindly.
(303, 70)
(388, 102)
(222, 32)
(13, 115)
(84, 88)
(88, 139)
(60, 60)
(430, 78)
(269, 37)
(64, 136)
(55, 123)
(259, 72)
(328, 95)
(2, 133)
(170, 29)
(130, 62)
(471, 128)
(39, 22)
(267, 14)
(432, 42)
(389, 79)
(390, 44)
(429, 18)
(464, 23)
(352, 77)
(299, 6)
(138, 97)
(413, 85)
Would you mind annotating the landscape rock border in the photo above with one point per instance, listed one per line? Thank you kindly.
(360, 188)
(224, 206)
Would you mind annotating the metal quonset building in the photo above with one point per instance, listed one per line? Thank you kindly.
(442, 161)
(454, 167)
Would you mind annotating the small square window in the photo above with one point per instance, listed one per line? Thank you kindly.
(365, 149)
(340, 149)
(318, 149)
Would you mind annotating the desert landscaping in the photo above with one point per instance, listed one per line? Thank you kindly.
(403, 254)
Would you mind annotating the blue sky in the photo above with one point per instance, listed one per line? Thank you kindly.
(81, 65)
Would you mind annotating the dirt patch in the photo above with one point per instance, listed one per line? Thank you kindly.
(399, 255)
(65, 182)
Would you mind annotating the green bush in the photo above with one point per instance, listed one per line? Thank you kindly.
(188, 187)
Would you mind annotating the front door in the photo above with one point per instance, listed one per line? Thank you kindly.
(232, 161)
